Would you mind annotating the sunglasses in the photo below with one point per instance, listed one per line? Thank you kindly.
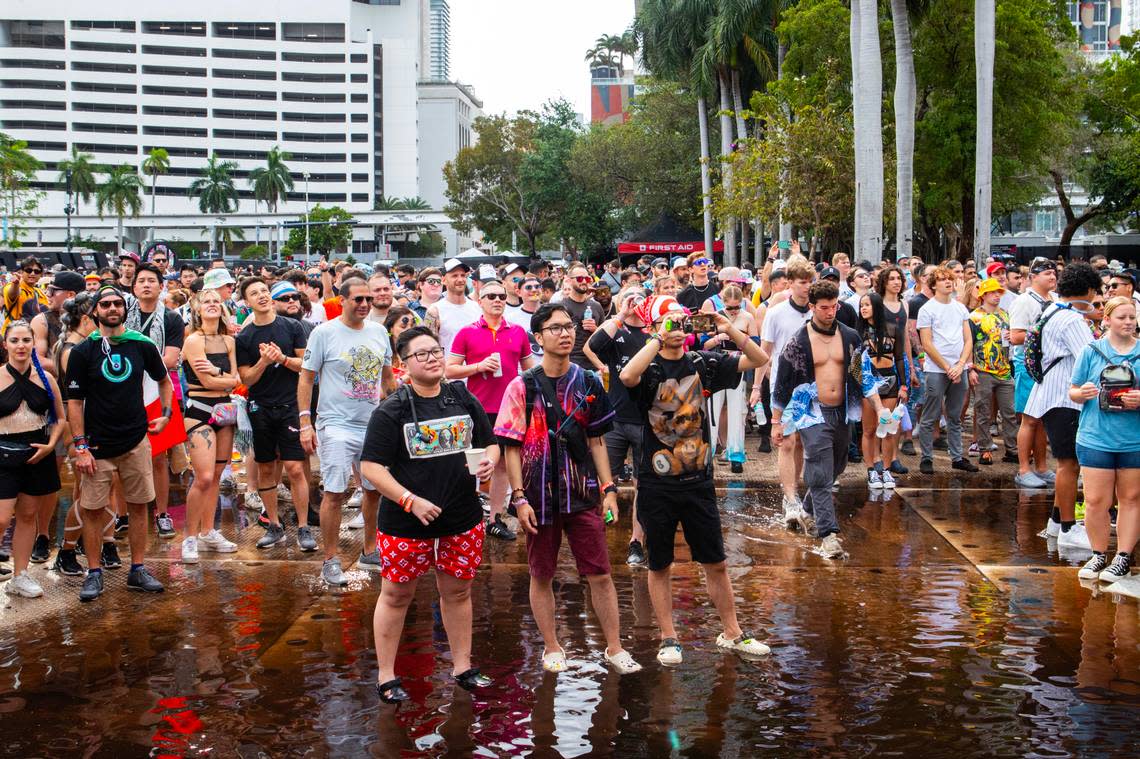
(433, 281)
(516, 280)
(494, 296)
(111, 304)
(33, 271)
(158, 260)
(530, 288)
(289, 298)
(406, 321)
(361, 299)
(583, 280)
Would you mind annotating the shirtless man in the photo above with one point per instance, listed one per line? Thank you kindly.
(816, 361)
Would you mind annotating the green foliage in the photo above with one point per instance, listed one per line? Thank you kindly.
(17, 171)
(83, 169)
(428, 245)
(324, 239)
(254, 252)
(120, 194)
(272, 182)
(215, 188)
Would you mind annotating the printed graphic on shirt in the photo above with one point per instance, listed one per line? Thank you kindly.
(438, 437)
(363, 374)
(676, 419)
(116, 368)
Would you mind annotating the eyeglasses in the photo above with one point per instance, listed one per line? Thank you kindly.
(422, 356)
(1114, 285)
(732, 308)
(583, 280)
(289, 298)
(1097, 305)
(516, 280)
(33, 271)
(530, 288)
(361, 299)
(494, 296)
(559, 329)
(433, 281)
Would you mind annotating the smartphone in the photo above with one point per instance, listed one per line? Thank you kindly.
(785, 244)
(703, 323)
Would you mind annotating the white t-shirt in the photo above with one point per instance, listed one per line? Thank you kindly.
(944, 320)
(1023, 314)
(781, 323)
(1007, 300)
(1064, 337)
(317, 315)
(453, 318)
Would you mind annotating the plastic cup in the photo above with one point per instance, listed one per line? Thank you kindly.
(474, 456)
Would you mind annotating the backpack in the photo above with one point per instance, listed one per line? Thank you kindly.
(566, 428)
(1034, 351)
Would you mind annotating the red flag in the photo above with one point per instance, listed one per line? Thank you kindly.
(175, 430)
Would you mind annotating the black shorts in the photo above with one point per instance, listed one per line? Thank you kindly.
(41, 478)
(276, 434)
(660, 511)
(623, 438)
(1061, 429)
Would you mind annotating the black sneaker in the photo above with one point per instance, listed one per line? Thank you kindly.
(940, 444)
(498, 529)
(907, 448)
(626, 473)
(1009, 458)
(926, 467)
(274, 534)
(66, 563)
(110, 558)
(165, 526)
(142, 580)
(636, 556)
(964, 465)
(1120, 568)
(897, 467)
(92, 587)
(41, 551)
(765, 445)
(737, 467)
(122, 524)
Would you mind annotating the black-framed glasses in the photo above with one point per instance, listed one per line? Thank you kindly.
(559, 329)
(423, 356)
(433, 281)
(291, 298)
(33, 271)
(361, 299)
(111, 304)
(494, 296)
(158, 260)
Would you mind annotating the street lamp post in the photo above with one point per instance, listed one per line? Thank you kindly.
(68, 209)
(307, 258)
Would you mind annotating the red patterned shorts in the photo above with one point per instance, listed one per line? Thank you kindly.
(405, 559)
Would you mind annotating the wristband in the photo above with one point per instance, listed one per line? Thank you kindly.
(80, 447)
(166, 412)
(304, 413)
(305, 427)
(79, 439)
(609, 487)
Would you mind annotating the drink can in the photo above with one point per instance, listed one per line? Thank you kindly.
(498, 372)
(606, 379)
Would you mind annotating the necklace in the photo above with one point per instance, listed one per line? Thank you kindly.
(701, 290)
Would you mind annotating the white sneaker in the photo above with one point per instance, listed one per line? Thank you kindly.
(355, 499)
(745, 644)
(1075, 538)
(357, 522)
(669, 654)
(1052, 529)
(23, 585)
(1029, 480)
(190, 550)
(1093, 567)
(793, 513)
(874, 480)
(284, 493)
(888, 480)
(215, 541)
(832, 547)
(252, 502)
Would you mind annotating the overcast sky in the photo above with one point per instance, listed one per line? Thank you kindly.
(518, 54)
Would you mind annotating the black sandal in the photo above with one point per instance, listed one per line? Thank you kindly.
(392, 692)
(472, 679)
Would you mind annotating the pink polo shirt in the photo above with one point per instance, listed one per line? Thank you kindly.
(476, 342)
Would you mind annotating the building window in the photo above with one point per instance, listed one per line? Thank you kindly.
(312, 32)
(25, 63)
(360, 158)
(189, 52)
(359, 197)
(246, 30)
(359, 97)
(110, 68)
(360, 118)
(245, 94)
(90, 147)
(244, 74)
(313, 97)
(103, 47)
(313, 136)
(165, 131)
(243, 134)
(181, 92)
(360, 177)
(103, 26)
(225, 113)
(319, 157)
(45, 35)
(104, 107)
(252, 155)
(299, 178)
(118, 89)
(360, 138)
(31, 84)
(173, 71)
(313, 117)
(54, 126)
(183, 28)
(313, 57)
(359, 58)
(169, 110)
(39, 145)
(252, 55)
(34, 105)
(182, 152)
(78, 126)
(292, 76)
(360, 78)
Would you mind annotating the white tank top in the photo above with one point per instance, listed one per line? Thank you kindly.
(453, 318)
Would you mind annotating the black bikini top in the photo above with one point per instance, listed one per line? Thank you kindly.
(23, 390)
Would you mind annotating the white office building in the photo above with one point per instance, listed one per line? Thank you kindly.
(335, 84)
(447, 113)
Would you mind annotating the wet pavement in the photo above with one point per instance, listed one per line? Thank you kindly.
(952, 630)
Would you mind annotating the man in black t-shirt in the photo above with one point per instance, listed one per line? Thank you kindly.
(415, 453)
(614, 344)
(584, 310)
(269, 352)
(675, 478)
(109, 420)
(701, 286)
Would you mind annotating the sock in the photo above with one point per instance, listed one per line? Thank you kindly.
(1098, 553)
(1055, 515)
(93, 571)
(1066, 525)
(136, 566)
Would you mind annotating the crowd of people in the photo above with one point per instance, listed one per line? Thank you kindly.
(461, 403)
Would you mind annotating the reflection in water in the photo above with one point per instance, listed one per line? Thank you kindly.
(904, 647)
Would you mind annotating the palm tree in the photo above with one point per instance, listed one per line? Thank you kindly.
(215, 189)
(156, 162)
(272, 182)
(905, 95)
(867, 75)
(984, 44)
(82, 170)
(121, 194)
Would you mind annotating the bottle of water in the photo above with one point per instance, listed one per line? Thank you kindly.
(889, 422)
(761, 417)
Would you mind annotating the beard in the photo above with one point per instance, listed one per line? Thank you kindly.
(110, 320)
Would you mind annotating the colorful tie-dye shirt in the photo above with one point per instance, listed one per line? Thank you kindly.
(552, 479)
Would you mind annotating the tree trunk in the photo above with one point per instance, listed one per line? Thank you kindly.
(905, 96)
(784, 230)
(153, 182)
(856, 99)
(965, 247)
(983, 158)
(726, 167)
(869, 121)
(119, 232)
(706, 181)
(1073, 222)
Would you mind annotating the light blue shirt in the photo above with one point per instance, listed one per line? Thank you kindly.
(1108, 431)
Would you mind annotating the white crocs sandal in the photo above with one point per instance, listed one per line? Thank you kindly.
(554, 662)
(623, 663)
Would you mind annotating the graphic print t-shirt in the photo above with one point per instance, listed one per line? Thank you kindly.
(675, 449)
(350, 363)
(989, 353)
(554, 480)
(115, 417)
(427, 457)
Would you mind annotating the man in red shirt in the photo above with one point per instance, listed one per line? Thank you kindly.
(488, 354)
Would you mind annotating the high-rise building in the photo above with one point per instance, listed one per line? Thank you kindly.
(447, 114)
(1101, 23)
(438, 47)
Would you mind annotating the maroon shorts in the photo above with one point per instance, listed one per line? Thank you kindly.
(405, 559)
(587, 536)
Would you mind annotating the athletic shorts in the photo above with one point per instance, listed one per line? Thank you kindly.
(339, 451)
(660, 511)
(1094, 459)
(276, 434)
(135, 471)
(1061, 430)
(623, 438)
(405, 559)
(586, 534)
(41, 478)
(1022, 386)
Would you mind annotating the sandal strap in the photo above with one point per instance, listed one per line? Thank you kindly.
(669, 643)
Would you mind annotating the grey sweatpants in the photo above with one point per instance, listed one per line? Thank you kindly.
(825, 458)
(939, 387)
(987, 388)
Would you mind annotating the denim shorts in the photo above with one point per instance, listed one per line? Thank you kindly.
(1094, 459)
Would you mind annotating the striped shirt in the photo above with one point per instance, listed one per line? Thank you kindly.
(1064, 337)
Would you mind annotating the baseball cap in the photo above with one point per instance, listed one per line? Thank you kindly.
(829, 272)
(487, 273)
(68, 280)
(454, 263)
(92, 277)
(217, 278)
(680, 262)
(660, 262)
(996, 266)
(129, 254)
(510, 268)
(990, 286)
(281, 289)
(1042, 264)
